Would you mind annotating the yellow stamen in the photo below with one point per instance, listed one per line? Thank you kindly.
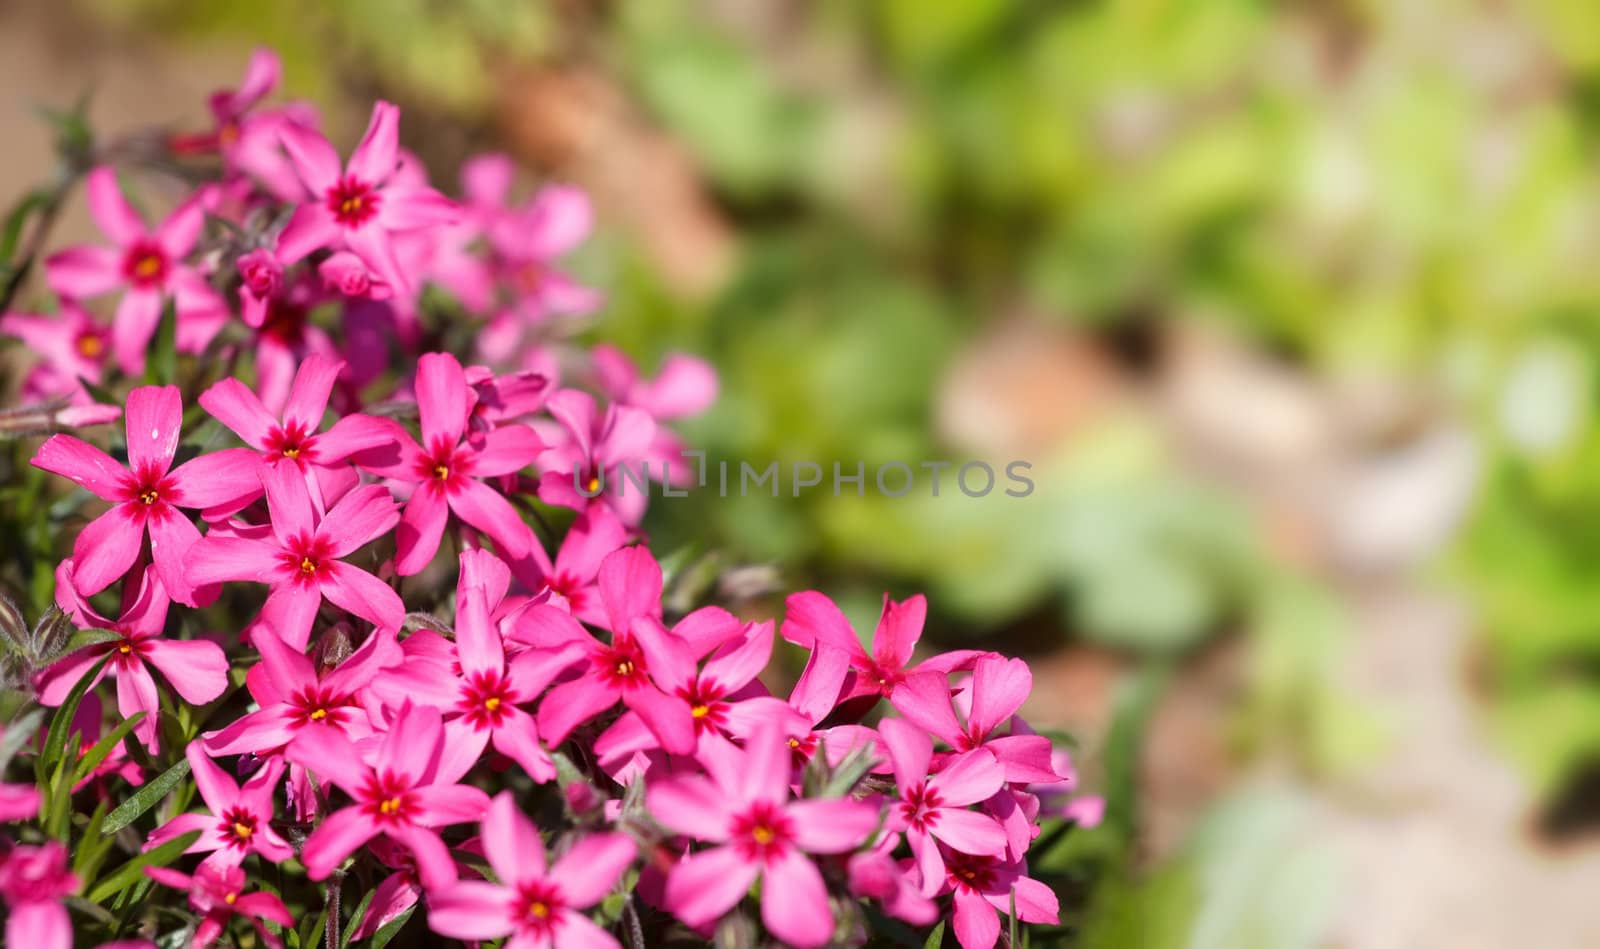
(700, 711)
(147, 266)
(594, 486)
(90, 347)
(491, 703)
(124, 648)
(291, 453)
(318, 714)
(390, 806)
(625, 667)
(762, 835)
(794, 743)
(539, 909)
(231, 898)
(148, 496)
(242, 830)
(441, 471)
(307, 565)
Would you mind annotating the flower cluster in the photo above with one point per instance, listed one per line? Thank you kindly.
(387, 676)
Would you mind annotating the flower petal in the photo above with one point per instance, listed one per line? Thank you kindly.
(110, 210)
(511, 842)
(471, 910)
(195, 668)
(233, 404)
(80, 273)
(794, 902)
(421, 526)
(77, 460)
(154, 424)
(834, 825)
(705, 885)
(592, 867)
(336, 838)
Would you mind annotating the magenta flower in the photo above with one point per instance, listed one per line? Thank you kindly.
(1061, 799)
(983, 888)
(247, 139)
(586, 448)
(260, 280)
(149, 265)
(362, 206)
(744, 808)
(33, 880)
(569, 582)
(446, 469)
(631, 669)
(146, 498)
(217, 894)
(489, 689)
(507, 398)
(299, 558)
(999, 687)
(877, 875)
(70, 346)
(684, 386)
(394, 894)
(240, 821)
(539, 906)
(555, 221)
(294, 696)
(296, 438)
(812, 618)
(402, 794)
(196, 669)
(934, 808)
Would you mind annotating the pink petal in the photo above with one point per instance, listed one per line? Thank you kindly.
(434, 866)
(393, 896)
(511, 842)
(155, 421)
(690, 805)
(411, 747)
(575, 410)
(738, 663)
(289, 503)
(133, 325)
(832, 826)
(39, 925)
(336, 838)
(924, 699)
(517, 738)
(471, 909)
(315, 162)
(216, 559)
(1024, 758)
(196, 669)
(308, 398)
(506, 450)
(178, 233)
(106, 548)
(811, 617)
(794, 902)
(970, 832)
(630, 586)
(261, 76)
(255, 732)
(171, 538)
(1036, 903)
(217, 789)
(233, 404)
(359, 517)
(183, 824)
(289, 613)
(486, 179)
(446, 804)
(968, 778)
(258, 791)
(355, 433)
(414, 208)
(685, 386)
(626, 437)
(570, 704)
(265, 906)
(110, 210)
(421, 526)
(477, 641)
(378, 153)
(136, 692)
(443, 399)
(56, 680)
(81, 462)
(230, 477)
(667, 717)
(817, 692)
(558, 220)
(899, 628)
(976, 923)
(374, 245)
(578, 932)
(592, 867)
(378, 652)
(766, 772)
(999, 687)
(705, 885)
(330, 757)
(486, 509)
(364, 595)
(312, 228)
(84, 272)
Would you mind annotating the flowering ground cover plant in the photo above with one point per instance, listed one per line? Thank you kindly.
(386, 664)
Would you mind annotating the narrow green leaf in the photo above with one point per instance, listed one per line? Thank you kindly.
(356, 917)
(935, 938)
(162, 367)
(390, 929)
(17, 734)
(11, 233)
(133, 871)
(92, 845)
(55, 741)
(146, 797)
(102, 749)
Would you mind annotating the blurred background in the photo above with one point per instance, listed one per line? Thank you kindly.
(1294, 307)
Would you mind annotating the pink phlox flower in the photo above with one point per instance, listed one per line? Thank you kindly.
(537, 904)
(570, 582)
(1062, 799)
(149, 265)
(527, 242)
(683, 387)
(876, 874)
(988, 701)
(446, 469)
(69, 345)
(933, 807)
(983, 888)
(348, 275)
(361, 206)
(399, 791)
(246, 137)
(240, 819)
(500, 399)
(744, 809)
(33, 881)
(196, 669)
(586, 448)
(260, 281)
(146, 496)
(216, 892)
(300, 559)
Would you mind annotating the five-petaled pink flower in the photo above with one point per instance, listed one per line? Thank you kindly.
(934, 808)
(217, 893)
(997, 690)
(33, 880)
(146, 496)
(587, 451)
(745, 808)
(402, 794)
(985, 887)
(71, 346)
(539, 906)
(299, 556)
(446, 469)
(148, 264)
(361, 206)
(197, 669)
(240, 821)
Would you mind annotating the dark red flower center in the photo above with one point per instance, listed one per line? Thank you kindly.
(317, 705)
(151, 488)
(90, 345)
(353, 201)
(881, 678)
(622, 664)
(388, 798)
(486, 699)
(145, 264)
(704, 696)
(307, 558)
(920, 807)
(238, 827)
(537, 908)
(764, 832)
(444, 466)
(293, 442)
(970, 873)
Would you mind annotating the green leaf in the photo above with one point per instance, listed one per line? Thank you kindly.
(851, 770)
(11, 232)
(935, 938)
(390, 929)
(162, 369)
(55, 741)
(356, 917)
(91, 759)
(17, 734)
(92, 845)
(146, 797)
(133, 871)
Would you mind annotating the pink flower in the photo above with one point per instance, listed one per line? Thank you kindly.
(1060, 798)
(489, 689)
(744, 808)
(299, 557)
(394, 894)
(934, 808)
(998, 689)
(70, 345)
(294, 695)
(17, 801)
(217, 893)
(555, 221)
(446, 469)
(685, 385)
(402, 794)
(361, 207)
(569, 583)
(631, 669)
(812, 618)
(295, 438)
(240, 822)
(585, 451)
(249, 142)
(539, 906)
(984, 887)
(33, 880)
(507, 398)
(150, 265)
(147, 497)
(347, 274)
(875, 874)
(260, 280)
(196, 669)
